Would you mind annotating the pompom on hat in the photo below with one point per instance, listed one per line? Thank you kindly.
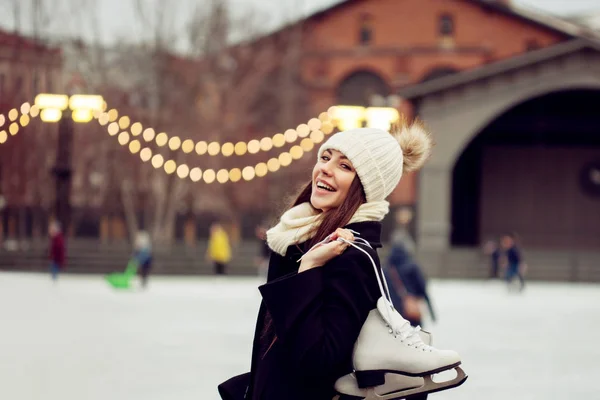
(380, 157)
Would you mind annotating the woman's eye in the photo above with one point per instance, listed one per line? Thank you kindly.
(324, 158)
(346, 167)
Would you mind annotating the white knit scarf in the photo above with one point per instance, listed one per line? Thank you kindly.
(296, 224)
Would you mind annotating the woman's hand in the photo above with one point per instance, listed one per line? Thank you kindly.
(319, 255)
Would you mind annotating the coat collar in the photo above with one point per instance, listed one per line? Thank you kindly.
(368, 230)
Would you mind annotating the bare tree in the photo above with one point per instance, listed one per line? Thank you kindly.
(215, 91)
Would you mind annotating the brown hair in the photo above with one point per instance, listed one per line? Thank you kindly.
(337, 217)
(329, 221)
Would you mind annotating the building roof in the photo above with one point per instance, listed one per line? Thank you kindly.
(526, 14)
(14, 39)
(419, 90)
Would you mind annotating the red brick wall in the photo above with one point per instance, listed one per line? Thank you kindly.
(406, 47)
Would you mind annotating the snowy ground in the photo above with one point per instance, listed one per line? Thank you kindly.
(79, 340)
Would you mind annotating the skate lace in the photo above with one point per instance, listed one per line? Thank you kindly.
(402, 329)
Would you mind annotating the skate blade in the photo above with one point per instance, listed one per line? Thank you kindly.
(428, 387)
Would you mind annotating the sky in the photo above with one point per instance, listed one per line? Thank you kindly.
(109, 21)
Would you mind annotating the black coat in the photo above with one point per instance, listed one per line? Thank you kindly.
(316, 317)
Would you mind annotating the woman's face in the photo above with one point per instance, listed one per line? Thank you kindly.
(331, 180)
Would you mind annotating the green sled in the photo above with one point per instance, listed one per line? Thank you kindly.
(123, 280)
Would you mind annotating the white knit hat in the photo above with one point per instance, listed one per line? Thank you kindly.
(375, 155)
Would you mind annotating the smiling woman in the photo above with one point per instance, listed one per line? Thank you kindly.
(320, 292)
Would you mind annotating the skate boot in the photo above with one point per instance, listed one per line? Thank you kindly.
(388, 344)
(347, 386)
(396, 386)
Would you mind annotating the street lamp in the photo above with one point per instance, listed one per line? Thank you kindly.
(64, 110)
(350, 117)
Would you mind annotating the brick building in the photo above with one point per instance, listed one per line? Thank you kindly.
(27, 67)
(360, 48)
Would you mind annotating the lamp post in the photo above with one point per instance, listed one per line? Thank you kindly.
(65, 110)
(349, 117)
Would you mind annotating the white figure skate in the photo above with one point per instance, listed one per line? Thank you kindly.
(388, 344)
(396, 386)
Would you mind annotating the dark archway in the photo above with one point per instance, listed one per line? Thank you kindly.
(532, 171)
(359, 88)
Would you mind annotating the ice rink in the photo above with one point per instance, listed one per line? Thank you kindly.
(80, 340)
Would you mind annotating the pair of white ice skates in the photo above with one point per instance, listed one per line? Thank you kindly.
(392, 360)
(398, 364)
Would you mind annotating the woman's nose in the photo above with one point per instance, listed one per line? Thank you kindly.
(325, 168)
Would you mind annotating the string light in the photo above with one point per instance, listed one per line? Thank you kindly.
(235, 175)
(253, 146)
(170, 167)
(209, 176)
(148, 134)
(187, 146)
(174, 143)
(248, 173)
(324, 123)
(241, 148)
(136, 129)
(196, 174)
(311, 133)
(222, 176)
(183, 171)
(161, 139)
(201, 148)
(146, 154)
(25, 107)
(290, 136)
(113, 115)
(266, 144)
(261, 169)
(214, 148)
(24, 120)
(279, 140)
(113, 129)
(123, 138)
(103, 119)
(34, 111)
(124, 122)
(157, 161)
(134, 146)
(227, 149)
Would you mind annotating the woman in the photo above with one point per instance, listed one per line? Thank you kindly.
(313, 310)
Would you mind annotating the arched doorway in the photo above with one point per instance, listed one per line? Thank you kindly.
(360, 88)
(534, 170)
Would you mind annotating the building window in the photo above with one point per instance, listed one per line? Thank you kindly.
(366, 30)
(532, 44)
(446, 25)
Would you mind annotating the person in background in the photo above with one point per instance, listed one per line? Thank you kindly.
(143, 256)
(513, 260)
(409, 285)
(57, 251)
(493, 251)
(264, 252)
(219, 249)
